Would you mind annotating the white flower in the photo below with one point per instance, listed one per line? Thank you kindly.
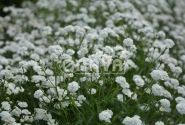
(125, 54)
(108, 50)
(159, 75)
(161, 34)
(92, 91)
(45, 99)
(70, 52)
(73, 87)
(100, 82)
(164, 44)
(181, 90)
(122, 82)
(49, 72)
(120, 97)
(129, 64)
(77, 103)
(38, 78)
(38, 94)
(181, 107)
(165, 105)
(40, 114)
(23, 104)
(3, 61)
(127, 92)
(7, 118)
(128, 42)
(25, 112)
(13, 89)
(169, 43)
(106, 115)
(81, 98)
(132, 120)
(138, 80)
(159, 123)
(6, 73)
(158, 90)
(69, 28)
(172, 83)
(46, 30)
(134, 96)
(82, 52)
(183, 58)
(55, 49)
(35, 57)
(179, 99)
(5, 105)
(16, 112)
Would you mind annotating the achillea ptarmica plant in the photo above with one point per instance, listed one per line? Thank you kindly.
(93, 62)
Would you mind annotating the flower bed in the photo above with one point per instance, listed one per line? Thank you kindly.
(96, 62)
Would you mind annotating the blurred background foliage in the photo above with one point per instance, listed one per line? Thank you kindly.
(5, 3)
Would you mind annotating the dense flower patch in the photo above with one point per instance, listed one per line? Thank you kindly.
(93, 62)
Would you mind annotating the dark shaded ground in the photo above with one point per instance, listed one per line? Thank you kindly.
(5, 3)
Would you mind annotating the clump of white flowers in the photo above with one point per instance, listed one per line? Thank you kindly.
(7, 118)
(159, 75)
(122, 82)
(159, 123)
(106, 115)
(38, 94)
(5, 105)
(135, 120)
(138, 81)
(158, 90)
(181, 107)
(165, 105)
(63, 62)
(120, 97)
(73, 87)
